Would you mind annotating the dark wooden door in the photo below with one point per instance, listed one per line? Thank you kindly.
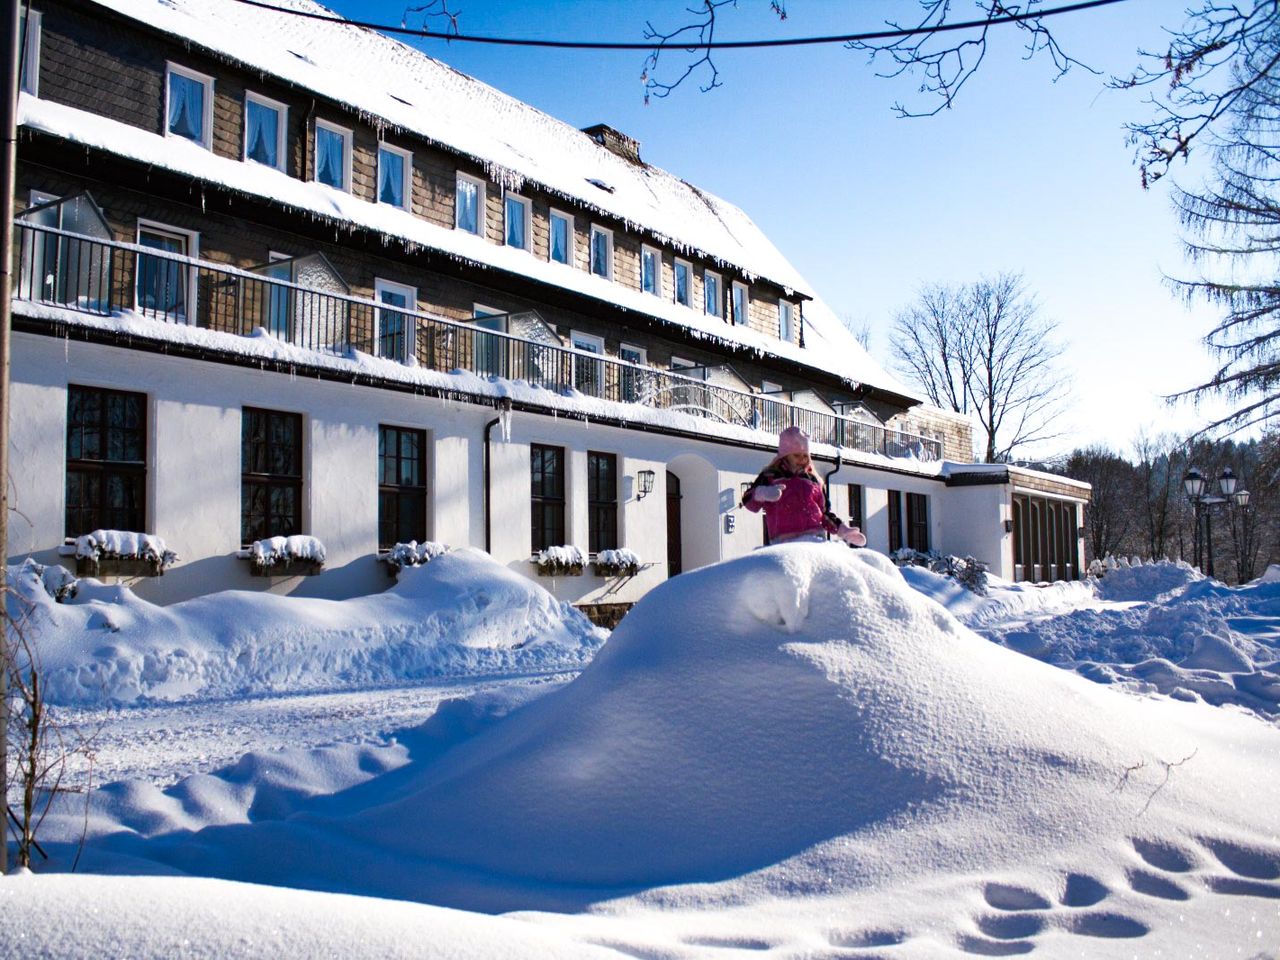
(674, 547)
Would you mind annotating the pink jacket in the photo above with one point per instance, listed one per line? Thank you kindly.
(802, 508)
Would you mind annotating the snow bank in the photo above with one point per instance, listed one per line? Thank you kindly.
(461, 614)
(1156, 628)
(791, 752)
(796, 707)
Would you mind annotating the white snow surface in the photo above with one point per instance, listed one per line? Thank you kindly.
(793, 752)
(462, 614)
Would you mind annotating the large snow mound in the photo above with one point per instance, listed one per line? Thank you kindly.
(461, 614)
(796, 707)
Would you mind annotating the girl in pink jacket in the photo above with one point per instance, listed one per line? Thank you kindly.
(792, 497)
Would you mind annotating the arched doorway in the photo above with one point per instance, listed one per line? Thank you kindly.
(675, 547)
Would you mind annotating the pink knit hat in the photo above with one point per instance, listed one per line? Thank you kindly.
(792, 440)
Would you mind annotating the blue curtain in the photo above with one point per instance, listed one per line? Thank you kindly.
(330, 158)
(559, 240)
(515, 224)
(263, 134)
(467, 200)
(186, 107)
(391, 178)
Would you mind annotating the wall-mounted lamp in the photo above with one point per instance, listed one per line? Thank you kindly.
(1008, 526)
(644, 483)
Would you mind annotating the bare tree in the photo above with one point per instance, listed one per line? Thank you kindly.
(1161, 464)
(932, 343)
(984, 349)
(1109, 516)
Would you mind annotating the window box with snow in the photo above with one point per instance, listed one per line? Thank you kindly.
(411, 554)
(616, 563)
(559, 562)
(119, 553)
(295, 556)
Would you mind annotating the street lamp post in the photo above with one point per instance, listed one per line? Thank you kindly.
(1203, 503)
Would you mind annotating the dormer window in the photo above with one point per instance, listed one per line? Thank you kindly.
(786, 320)
(469, 205)
(519, 216)
(651, 271)
(188, 105)
(683, 275)
(711, 294)
(740, 302)
(264, 126)
(333, 155)
(602, 252)
(560, 241)
(395, 168)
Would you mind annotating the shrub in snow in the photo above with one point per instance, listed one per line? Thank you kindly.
(413, 554)
(104, 545)
(277, 553)
(559, 561)
(969, 572)
(617, 563)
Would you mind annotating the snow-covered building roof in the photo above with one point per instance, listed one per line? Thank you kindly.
(394, 86)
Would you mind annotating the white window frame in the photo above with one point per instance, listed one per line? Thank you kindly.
(410, 294)
(29, 82)
(591, 260)
(680, 363)
(688, 282)
(481, 201)
(571, 251)
(406, 178)
(768, 386)
(646, 250)
(347, 141)
(641, 352)
(718, 305)
(786, 320)
(596, 343)
(745, 321)
(193, 251)
(206, 121)
(528, 219)
(281, 129)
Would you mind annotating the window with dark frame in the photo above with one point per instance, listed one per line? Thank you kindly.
(106, 461)
(270, 474)
(402, 486)
(602, 501)
(546, 474)
(855, 505)
(918, 522)
(895, 520)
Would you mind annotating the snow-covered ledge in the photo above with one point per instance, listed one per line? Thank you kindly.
(295, 556)
(616, 563)
(412, 554)
(559, 562)
(121, 553)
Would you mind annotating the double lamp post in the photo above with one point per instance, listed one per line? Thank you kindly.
(1195, 485)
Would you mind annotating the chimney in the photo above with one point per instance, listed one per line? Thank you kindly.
(615, 141)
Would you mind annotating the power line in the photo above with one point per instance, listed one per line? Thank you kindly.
(712, 45)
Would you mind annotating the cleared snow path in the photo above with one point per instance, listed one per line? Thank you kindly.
(166, 743)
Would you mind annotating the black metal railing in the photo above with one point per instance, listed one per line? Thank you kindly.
(106, 277)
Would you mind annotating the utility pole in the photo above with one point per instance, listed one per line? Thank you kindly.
(9, 37)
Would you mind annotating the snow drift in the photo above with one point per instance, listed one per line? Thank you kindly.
(460, 614)
(803, 696)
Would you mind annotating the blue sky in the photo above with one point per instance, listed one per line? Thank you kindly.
(1023, 174)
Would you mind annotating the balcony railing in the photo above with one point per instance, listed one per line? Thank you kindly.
(105, 278)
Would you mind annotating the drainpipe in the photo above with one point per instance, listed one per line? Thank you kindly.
(504, 408)
(826, 477)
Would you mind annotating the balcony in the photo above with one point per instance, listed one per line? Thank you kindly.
(108, 278)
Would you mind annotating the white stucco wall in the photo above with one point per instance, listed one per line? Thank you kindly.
(194, 411)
